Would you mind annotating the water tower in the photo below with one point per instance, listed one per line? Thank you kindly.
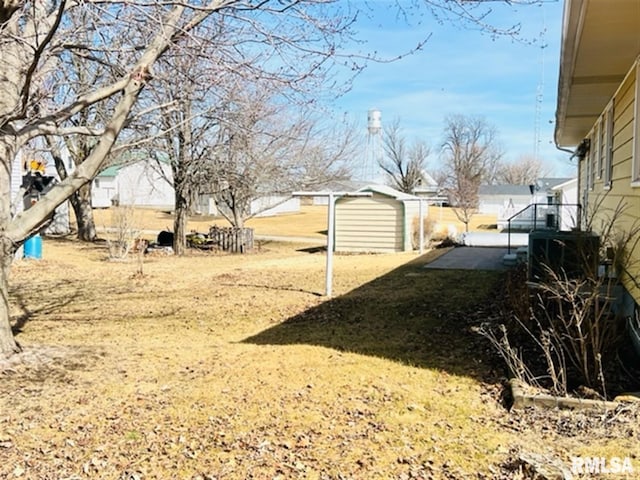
(374, 145)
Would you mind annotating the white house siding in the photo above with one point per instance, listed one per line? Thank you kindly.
(275, 205)
(369, 224)
(142, 184)
(104, 191)
(139, 184)
(503, 206)
(567, 195)
(16, 183)
(323, 200)
(206, 205)
(268, 206)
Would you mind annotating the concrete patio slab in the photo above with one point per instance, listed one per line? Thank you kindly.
(471, 258)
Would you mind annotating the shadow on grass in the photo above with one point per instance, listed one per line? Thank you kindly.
(270, 287)
(417, 316)
(319, 249)
(19, 296)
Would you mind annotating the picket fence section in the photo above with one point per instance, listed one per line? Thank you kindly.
(231, 239)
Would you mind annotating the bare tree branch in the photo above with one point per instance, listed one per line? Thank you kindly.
(404, 166)
(470, 154)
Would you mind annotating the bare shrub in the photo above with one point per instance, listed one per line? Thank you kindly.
(578, 326)
(566, 328)
(429, 227)
(122, 233)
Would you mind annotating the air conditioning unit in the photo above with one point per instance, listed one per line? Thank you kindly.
(569, 254)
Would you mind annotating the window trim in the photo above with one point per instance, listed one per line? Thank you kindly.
(608, 145)
(591, 162)
(597, 133)
(635, 149)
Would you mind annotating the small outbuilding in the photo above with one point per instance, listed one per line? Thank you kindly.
(141, 183)
(383, 222)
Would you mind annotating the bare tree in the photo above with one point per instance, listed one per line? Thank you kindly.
(78, 149)
(129, 38)
(404, 165)
(298, 39)
(78, 70)
(470, 154)
(184, 127)
(525, 171)
(268, 150)
(31, 37)
(215, 95)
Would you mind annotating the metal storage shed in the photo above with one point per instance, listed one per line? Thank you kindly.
(382, 222)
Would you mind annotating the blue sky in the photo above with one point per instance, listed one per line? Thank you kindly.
(463, 71)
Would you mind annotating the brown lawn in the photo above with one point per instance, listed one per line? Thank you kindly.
(216, 366)
(310, 222)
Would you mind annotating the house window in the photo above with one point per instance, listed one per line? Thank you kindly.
(96, 183)
(635, 157)
(608, 145)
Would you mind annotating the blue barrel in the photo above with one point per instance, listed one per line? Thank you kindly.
(33, 247)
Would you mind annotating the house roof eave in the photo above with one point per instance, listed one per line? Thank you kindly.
(599, 46)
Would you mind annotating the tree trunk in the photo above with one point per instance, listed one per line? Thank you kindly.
(238, 218)
(8, 345)
(180, 222)
(80, 200)
(81, 203)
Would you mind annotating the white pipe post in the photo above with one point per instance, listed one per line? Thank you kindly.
(421, 215)
(332, 196)
(330, 229)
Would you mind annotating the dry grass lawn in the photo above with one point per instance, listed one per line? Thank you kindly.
(216, 366)
(311, 222)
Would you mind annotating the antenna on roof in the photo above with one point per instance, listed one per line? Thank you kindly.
(539, 90)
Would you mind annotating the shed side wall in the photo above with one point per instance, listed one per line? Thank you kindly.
(369, 224)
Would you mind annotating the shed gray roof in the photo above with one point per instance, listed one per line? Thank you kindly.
(341, 186)
(504, 190)
(388, 191)
(542, 184)
(549, 183)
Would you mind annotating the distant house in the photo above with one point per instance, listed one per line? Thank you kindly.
(105, 188)
(383, 222)
(266, 206)
(270, 205)
(503, 200)
(566, 194)
(507, 201)
(428, 187)
(147, 184)
(142, 184)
